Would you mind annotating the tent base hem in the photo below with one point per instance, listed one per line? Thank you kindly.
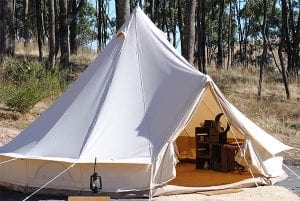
(66, 192)
(159, 191)
(246, 183)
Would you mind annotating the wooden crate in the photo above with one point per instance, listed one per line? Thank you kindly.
(88, 198)
(213, 135)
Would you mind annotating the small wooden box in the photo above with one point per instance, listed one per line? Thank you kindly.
(88, 198)
(213, 135)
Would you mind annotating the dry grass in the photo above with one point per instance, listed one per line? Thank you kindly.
(83, 57)
(273, 112)
(30, 51)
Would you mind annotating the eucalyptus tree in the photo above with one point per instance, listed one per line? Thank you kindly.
(26, 22)
(51, 32)
(64, 33)
(220, 34)
(189, 31)
(284, 43)
(102, 23)
(7, 28)
(122, 12)
(264, 52)
(39, 24)
(201, 33)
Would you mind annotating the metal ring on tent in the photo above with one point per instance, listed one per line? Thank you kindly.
(121, 35)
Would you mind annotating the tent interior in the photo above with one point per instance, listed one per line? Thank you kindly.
(203, 161)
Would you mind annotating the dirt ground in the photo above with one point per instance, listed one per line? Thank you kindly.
(265, 193)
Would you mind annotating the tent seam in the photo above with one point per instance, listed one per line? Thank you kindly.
(92, 125)
(142, 89)
(146, 119)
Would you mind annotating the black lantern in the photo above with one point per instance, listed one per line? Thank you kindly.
(95, 181)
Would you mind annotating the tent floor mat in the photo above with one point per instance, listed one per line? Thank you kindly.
(188, 175)
(191, 180)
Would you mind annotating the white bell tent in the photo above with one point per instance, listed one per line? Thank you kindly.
(127, 109)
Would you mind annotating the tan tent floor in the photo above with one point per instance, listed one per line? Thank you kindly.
(188, 175)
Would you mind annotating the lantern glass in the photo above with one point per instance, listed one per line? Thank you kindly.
(95, 183)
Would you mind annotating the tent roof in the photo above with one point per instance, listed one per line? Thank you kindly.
(124, 107)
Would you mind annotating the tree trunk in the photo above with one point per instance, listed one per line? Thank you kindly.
(100, 24)
(156, 12)
(73, 11)
(264, 53)
(73, 30)
(45, 22)
(180, 22)
(237, 6)
(201, 35)
(285, 34)
(174, 24)
(51, 33)
(57, 28)
(39, 24)
(189, 31)
(232, 40)
(164, 19)
(246, 32)
(198, 38)
(7, 28)
(151, 10)
(295, 45)
(229, 35)
(122, 12)
(284, 40)
(220, 35)
(283, 71)
(26, 22)
(64, 33)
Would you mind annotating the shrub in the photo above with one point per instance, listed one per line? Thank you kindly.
(22, 70)
(26, 83)
(22, 98)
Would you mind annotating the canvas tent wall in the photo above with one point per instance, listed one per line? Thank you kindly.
(126, 109)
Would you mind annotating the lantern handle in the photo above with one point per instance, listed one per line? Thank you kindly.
(95, 164)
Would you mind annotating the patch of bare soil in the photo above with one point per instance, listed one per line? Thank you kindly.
(262, 193)
(13, 122)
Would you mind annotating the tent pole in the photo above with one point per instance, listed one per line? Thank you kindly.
(7, 161)
(289, 169)
(151, 183)
(240, 149)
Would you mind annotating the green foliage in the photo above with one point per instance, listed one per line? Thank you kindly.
(28, 82)
(86, 24)
(22, 70)
(31, 21)
(22, 98)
